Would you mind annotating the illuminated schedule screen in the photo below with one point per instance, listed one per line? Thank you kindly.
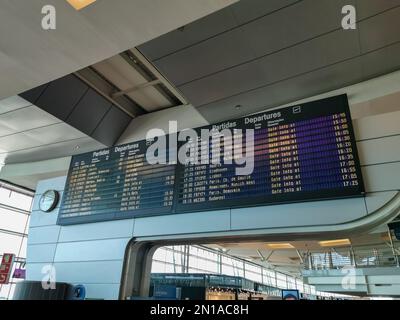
(300, 153)
(304, 152)
(116, 183)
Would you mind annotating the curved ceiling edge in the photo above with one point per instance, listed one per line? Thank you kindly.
(378, 217)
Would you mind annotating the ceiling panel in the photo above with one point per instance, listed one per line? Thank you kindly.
(311, 55)
(38, 137)
(224, 51)
(294, 24)
(17, 141)
(150, 99)
(246, 10)
(255, 39)
(219, 22)
(62, 95)
(88, 112)
(385, 60)
(300, 87)
(380, 31)
(5, 129)
(112, 126)
(301, 50)
(124, 76)
(25, 119)
(30, 56)
(28, 133)
(34, 94)
(197, 31)
(56, 150)
(13, 103)
(55, 133)
(71, 100)
(367, 8)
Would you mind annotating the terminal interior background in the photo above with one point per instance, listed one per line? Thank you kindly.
(109, 73)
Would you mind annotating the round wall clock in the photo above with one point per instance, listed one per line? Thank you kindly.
(49, 200)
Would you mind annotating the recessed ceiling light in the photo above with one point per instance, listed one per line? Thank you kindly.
(76, 147)
(80, 4)
(280, 246)
(237, 107)
(335, 243)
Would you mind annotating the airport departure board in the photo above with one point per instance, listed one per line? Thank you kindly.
(116, 183)
(300, 153)
(304, 152)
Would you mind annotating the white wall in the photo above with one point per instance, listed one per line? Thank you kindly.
(84, 254)
(185, 116)
(92, 254)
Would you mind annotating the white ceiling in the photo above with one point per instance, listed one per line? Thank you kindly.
(27, 133)
(31, 56)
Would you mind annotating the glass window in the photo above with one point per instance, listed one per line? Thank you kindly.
(227, 270)
(299, 285)
(208, 266)
(252, 268)
(4, 292)
(22, 253)
(254, 276)
(313, 291)
(159, 254)
(227, 260)
(281, 281)
(269, 277)
(157, 267)
(15, 199)
(253, 272)
(204, 260)
(291, 282)
(10, 243)
(14, 220)
(192, 270)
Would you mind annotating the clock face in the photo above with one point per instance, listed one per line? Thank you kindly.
(49, 200)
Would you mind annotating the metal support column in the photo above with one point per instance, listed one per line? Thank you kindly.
(135, 280)
(353, 258)
(330, 260)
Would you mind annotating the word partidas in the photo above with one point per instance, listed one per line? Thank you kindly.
(205, 149)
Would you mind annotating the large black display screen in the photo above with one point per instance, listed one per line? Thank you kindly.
(299, 153)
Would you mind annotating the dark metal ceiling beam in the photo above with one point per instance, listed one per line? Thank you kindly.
(107, 90)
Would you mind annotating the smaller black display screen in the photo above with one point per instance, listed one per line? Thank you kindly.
(116, 183)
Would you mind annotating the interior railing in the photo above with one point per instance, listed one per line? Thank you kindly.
(356, 257)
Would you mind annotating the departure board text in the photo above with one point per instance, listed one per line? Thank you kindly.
(300, 153)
